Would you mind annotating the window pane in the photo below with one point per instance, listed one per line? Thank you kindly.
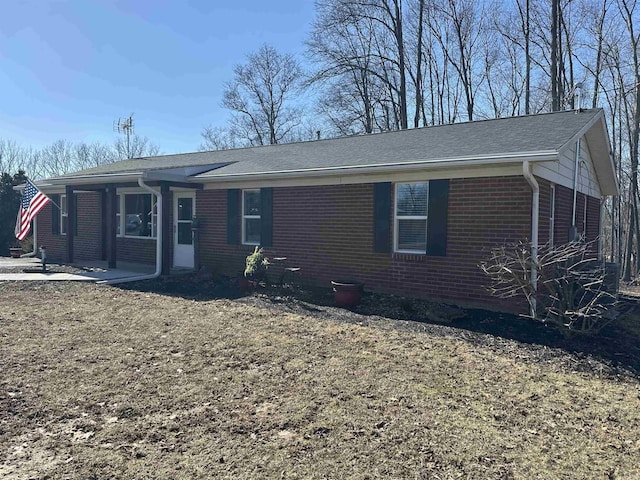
(252, 202)
(252, 230)
(184, 234)
(137, 209)
(185, 208)
(412, 199)
(64, 224)
(63, 204)
(412, 235)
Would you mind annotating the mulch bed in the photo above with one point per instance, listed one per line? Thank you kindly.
(613, 351)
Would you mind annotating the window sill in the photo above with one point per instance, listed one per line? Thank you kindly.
(409, 257)
(133, 236)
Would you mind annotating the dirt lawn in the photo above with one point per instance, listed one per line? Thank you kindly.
(102, 383)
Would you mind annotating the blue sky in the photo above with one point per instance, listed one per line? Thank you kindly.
(69, 68)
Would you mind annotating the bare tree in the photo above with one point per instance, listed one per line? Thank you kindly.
(13, 157)
(57, 159)
(358, 48)
(136, 147)
(261, 97)
(464, 20)
(217, 138)
(88, 155)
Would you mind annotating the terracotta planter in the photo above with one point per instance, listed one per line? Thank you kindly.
(347, 293)
(243, 284)
(15, 252)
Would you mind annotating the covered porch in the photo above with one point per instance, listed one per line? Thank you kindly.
(166, 191)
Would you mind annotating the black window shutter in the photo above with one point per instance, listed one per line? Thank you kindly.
(437, 217)
(266, 216)
(75, 215)
(55, 214)
(382, 217)
(233, 216)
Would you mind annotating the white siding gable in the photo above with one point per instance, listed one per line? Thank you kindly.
(561, 172)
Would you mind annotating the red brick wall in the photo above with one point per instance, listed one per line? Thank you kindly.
(136, 250)
(545, 211)
(563, 218)
(593, 218)
(56, 244)
(87, 244)
(328, 231)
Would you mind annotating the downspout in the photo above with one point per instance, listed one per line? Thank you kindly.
(573, 234)
(34, 252)
(158, 271)
(535, 218)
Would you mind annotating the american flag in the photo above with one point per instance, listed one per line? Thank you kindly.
(33, 200)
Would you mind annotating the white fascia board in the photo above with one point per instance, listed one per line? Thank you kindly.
(613, 187)
(456, 162)
(101, 178)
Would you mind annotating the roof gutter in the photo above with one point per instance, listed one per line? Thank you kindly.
(537, 156)
(544, 156)
(158, 271)
(80, 179)
(535, 215)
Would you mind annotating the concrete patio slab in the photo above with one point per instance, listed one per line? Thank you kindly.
(87, 271)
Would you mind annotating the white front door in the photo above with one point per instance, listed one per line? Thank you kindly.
(184, 209)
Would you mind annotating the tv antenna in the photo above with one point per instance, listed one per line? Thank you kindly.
(125, 127)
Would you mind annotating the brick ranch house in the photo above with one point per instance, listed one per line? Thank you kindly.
(408, 212)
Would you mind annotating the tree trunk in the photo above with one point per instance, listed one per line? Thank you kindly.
(419, 87)
(555, 100)
(404, 124)
(527, 56)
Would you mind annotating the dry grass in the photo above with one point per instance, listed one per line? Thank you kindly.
(99, 382)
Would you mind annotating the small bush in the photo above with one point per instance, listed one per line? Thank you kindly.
(571, 292)
(256, 265)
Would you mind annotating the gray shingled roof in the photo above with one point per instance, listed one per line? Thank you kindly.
(514, 135)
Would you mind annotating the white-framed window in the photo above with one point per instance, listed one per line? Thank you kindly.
(118, 215)
(154, 216)
(136, 215)
(410, 224)
(251, 213)
(552, 213)
(64, 215)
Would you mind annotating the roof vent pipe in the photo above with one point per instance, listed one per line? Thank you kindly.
(578, 93)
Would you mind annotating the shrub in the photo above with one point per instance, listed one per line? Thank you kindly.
(571, 292)
(256, 265)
